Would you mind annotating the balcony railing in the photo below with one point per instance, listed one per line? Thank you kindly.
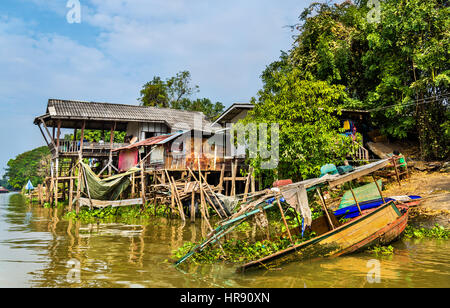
(66, 146)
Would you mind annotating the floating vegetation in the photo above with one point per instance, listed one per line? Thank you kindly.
(110, 214)
(239, 251)
(382, 250)
(437, 232)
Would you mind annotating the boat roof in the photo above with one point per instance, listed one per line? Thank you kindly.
(338, 179)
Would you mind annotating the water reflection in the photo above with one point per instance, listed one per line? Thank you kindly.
(41, 249)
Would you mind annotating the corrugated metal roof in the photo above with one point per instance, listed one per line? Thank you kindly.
(67, 109)
(151, 141)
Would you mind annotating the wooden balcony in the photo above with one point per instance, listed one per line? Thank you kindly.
(90, 149)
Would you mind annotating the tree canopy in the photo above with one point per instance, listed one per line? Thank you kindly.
(175, 92)
(397, 67)
(26, 167)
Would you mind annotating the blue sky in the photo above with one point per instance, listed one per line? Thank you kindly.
(121, 44)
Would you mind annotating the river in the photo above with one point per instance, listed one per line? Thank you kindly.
(38, 248)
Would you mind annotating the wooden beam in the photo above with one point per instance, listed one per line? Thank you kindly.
(103, 204)
(48, 132)
(43, 135)
(236, 178)
(58, 136)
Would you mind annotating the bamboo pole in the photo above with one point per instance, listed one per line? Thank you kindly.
(284, 220)
(379, 188)
(247, 184)
(322, 200)
(214, 194)
(193, 206)
(177, 197)
(354, 197)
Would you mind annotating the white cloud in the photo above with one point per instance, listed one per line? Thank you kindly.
(225, 45)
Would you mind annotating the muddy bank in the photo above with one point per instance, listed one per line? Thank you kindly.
(434, 187)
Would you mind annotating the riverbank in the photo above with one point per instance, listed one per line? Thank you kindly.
(434, 188)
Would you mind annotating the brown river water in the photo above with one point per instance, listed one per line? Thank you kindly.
(38, 248)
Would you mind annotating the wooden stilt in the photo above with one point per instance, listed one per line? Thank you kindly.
(233, 180)
(133, 186)
(40, 194)
(71, 190)
(193, 206)
(78, 189)
(222, 174)
(87, 189)
(111, 141)
(142, 184)
(55, 188)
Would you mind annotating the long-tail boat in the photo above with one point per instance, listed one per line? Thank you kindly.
(3, 190)
(376, 225)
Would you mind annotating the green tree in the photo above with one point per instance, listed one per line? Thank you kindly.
(397, 68)
(176, 92)
(25, 167)
(154, 93)
(306, 112)
(179, 87)
(211, 110)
